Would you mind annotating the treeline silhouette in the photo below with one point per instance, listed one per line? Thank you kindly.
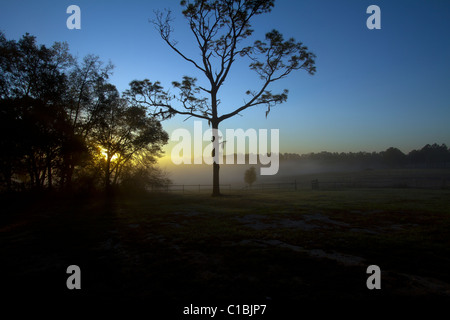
(64, 126)
(430, 156)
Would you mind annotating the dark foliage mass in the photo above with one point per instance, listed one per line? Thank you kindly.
(61, 120)
(250, 176)
(430, 156)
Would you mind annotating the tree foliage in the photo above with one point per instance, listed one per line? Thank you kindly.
(429, 156)
(250, 176)
(220, 31)
(55, 113)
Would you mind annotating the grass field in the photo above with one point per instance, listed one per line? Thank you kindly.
(265, 247)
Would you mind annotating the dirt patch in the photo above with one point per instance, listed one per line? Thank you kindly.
(315, 221)
(324, 219)
(344, 259)
(187, 213)
(307, 222)
(256, 222)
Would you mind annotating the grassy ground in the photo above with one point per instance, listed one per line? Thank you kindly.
(265, 247)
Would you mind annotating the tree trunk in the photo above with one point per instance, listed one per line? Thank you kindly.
(108, 173)
(8, 176)
(49, 170)
(216, 166)
(216, 184)
(49, 174)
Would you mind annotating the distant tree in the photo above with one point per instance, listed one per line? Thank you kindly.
(250, 176)
(435, 155)
(394, 157)
(219, 30)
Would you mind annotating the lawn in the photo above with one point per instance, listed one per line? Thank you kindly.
(279, 247)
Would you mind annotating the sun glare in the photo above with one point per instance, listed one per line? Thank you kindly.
(104, 153)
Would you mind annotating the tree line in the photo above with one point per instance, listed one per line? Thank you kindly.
(63, 124)
(430, 156)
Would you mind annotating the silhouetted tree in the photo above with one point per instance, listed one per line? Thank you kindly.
(32, 87)
(435, 155)
(55, 114)
(219, 29)
(124, 133)
(250, 176)
(143, 175)
(87, 88)
(393, 157)
(430, 156)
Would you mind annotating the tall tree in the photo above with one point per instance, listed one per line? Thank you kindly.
(219, 29)
(32, 86)
(87, 87)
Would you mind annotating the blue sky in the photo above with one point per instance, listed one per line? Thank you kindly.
(373, 88)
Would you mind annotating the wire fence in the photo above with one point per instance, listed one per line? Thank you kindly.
(419, 183)
(188, 187)
(315, 184)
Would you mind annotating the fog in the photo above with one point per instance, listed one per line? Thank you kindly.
(194, 174)
(303, 168)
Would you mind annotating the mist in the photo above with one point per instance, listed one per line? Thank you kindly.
(194, 174)
(295, 167)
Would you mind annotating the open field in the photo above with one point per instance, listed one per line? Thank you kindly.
(264, 247)
(329, 178)
(380, 178)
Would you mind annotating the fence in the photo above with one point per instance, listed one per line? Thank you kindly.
(187, 187)
(317, 184)
(420, 183)
(275, 185)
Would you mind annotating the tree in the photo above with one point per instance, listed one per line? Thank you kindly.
(219, 29)
(123, 133)
(32, 117)
(394, 157)
(87, 87)
(250, 176)
(57, 115)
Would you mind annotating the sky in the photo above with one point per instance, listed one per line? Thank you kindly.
(373, 89)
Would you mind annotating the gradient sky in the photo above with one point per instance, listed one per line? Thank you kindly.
(373, 88)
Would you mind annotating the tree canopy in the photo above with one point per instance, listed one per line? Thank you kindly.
(250, 176)
(56, 114)
(220, 30)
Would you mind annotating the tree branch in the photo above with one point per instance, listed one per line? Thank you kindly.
(164, 28)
